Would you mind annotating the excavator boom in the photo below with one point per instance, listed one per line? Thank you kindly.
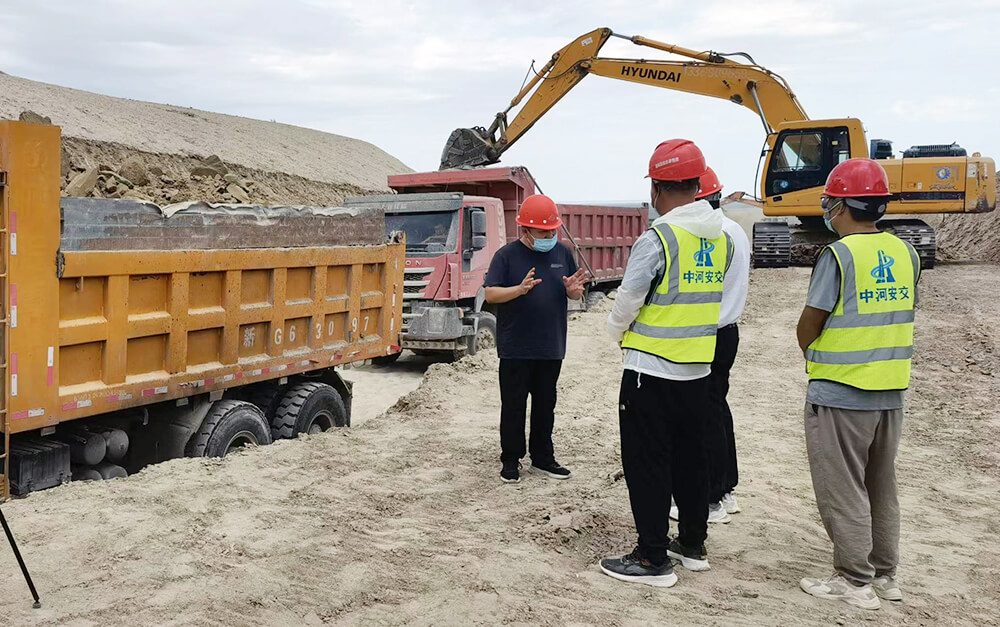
(704, 73)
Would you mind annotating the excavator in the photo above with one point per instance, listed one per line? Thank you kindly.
(798, 153)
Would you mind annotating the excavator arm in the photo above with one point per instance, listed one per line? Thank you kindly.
(705, 73)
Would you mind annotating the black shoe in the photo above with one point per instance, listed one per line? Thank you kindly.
(511, 472)
(690, 558)
(552, 470)
(634, 569)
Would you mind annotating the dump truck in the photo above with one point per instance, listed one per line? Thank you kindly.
(798, 154)
(456, 220)
(133, 335)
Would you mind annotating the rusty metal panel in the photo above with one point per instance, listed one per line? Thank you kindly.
(108, 224)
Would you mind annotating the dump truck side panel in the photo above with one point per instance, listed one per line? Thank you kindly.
(92, 331)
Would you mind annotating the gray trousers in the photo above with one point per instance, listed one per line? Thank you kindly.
(852, 459)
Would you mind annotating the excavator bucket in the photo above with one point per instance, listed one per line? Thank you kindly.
(468, 148)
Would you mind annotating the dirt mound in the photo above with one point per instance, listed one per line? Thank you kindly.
(970, 237)
(166, 129)
(107, 170)
(117, 148)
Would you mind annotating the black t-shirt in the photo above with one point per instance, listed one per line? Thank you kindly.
(532, 326)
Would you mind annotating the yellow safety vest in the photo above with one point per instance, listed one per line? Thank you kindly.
(681, 316)
(867, 341)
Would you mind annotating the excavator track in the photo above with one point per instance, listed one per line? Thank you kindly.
(772, 245)
(919, 234)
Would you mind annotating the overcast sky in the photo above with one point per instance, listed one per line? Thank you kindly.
(403, 74)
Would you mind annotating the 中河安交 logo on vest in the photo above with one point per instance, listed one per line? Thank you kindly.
(703, 258)
(882, 273)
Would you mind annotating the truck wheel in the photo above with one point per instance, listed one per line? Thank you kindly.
(308, 408)
(266, 395)
(486, 336)
(593, 298)
(387, 360)
(228, 426)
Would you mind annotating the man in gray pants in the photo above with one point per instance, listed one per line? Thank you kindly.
(856, 332)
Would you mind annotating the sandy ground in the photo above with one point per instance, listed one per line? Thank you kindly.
(158, 128)
(402, 520)
(377, 388)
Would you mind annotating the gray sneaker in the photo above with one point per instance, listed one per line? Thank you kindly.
(730, 503)
(836, 588)
(887, 588)
(717, 513)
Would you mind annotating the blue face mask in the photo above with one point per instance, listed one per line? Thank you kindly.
(544, 245)
(829, 224)
(826, 217)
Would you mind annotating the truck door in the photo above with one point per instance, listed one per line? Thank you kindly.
(473, 238)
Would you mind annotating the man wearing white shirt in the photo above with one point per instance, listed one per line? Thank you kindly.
(721, 446)
(666, 319)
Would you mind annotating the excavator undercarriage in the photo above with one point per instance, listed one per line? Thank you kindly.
(779, 244)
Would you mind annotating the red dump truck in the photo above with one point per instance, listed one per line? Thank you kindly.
(455, 221)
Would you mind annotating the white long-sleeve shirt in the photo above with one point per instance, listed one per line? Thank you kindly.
(646, 265)
(734, 289)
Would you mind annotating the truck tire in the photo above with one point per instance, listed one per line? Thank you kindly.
(266, 395)
(229, 425)
(85, 473)
(308, 408)
(108, 470)
(486, 335)
(594, 297)
(387, 360)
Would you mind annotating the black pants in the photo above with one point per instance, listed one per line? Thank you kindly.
(723, 474)
(662, 429)
(518, 379)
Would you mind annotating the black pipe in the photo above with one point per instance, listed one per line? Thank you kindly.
(20, 562)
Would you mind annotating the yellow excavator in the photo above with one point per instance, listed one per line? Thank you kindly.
(799, 152)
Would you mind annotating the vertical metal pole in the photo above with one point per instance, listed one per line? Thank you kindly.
(20, 562)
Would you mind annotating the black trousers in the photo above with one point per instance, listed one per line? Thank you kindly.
(520, 378)
(662, 431)
(723, 473)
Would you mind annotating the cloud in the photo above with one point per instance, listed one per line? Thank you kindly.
(782, 19)
(942, 109)
(403, 73)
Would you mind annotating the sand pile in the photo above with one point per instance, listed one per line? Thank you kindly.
(123, 148)
(403, 520)
(970, 237)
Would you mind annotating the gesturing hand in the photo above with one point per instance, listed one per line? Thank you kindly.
(529, 282)
(575, 284)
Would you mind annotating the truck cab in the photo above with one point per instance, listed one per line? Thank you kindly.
(455, 220)
(451, 238)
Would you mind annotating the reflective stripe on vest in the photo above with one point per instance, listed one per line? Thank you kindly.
(680, 318)
(867, 341)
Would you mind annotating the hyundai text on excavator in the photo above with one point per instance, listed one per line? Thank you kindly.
(799, 152)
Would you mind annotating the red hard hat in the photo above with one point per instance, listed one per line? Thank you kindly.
(857, 178)
(708, 184)
(676, 160)
(539, 212)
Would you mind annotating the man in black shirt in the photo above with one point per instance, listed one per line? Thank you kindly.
(529, 280)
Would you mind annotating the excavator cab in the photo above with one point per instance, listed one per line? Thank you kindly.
(802, 159)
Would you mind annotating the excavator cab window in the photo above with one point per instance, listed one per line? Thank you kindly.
(803, 158)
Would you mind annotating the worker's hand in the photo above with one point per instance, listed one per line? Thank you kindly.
(575, 284)
(528, 283)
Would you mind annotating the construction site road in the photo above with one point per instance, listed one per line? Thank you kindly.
(402, 519)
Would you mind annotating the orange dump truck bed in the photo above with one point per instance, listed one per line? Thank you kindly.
(90, 331)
